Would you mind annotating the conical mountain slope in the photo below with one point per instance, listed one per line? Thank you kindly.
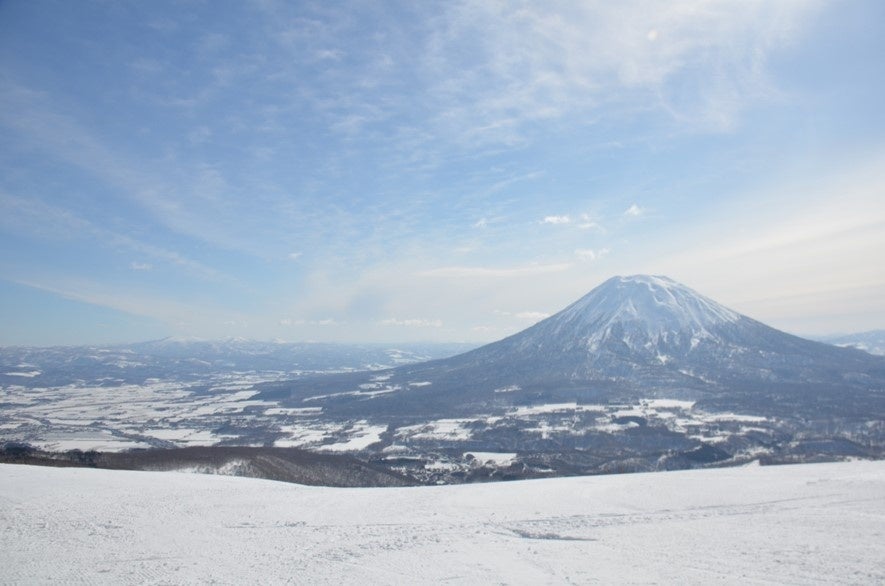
(636, 336)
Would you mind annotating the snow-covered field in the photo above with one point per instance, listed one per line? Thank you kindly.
(812, 524)
(227, 408)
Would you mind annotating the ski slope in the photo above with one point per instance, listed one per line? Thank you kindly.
(807, 524)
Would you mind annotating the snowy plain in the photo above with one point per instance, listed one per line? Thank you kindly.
(802, 524)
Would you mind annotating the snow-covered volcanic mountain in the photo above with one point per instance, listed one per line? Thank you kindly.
(653, 327)
(635, 336)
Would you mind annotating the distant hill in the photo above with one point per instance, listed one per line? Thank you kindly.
(872, 341)
(281, 464)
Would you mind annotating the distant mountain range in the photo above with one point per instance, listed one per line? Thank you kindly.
(872, 341)
(193, 358)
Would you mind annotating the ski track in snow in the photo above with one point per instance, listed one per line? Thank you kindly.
(808, 524)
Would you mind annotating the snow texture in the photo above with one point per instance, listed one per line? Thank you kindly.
(660, 304)
(816, 523)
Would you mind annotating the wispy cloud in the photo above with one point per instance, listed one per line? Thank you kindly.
(589, 254)
(325, 322)
(590, 222)
(495, 272)
(327, 169)
(482, 71)
(174, 195)
(412, 323)
(767, 253)
(505, 183)
(527, 315)
(52, 222)
(532, 315)
(483, 76)
(525, 63)
(171, 311)
(484, 329)
(634, 211)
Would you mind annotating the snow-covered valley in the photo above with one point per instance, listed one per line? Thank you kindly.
(641, 374)
(812, 523)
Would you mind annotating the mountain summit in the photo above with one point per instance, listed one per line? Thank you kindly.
(659, 302)
(638, 312)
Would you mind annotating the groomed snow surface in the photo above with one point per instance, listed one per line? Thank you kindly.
(807, 524)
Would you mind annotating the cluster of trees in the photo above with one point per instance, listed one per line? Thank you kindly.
(23, 453)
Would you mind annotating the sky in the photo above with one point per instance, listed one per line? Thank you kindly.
(363, 171)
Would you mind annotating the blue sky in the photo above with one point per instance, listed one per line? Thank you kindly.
(398, 171)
